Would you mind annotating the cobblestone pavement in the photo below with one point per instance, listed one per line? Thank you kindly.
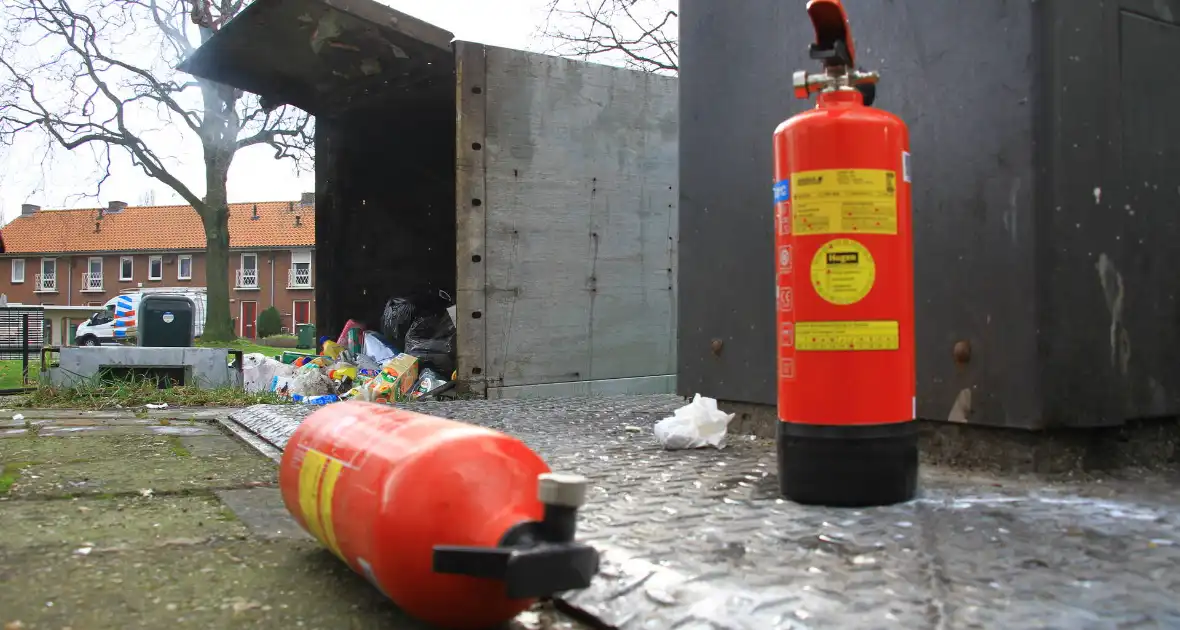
(700, 539)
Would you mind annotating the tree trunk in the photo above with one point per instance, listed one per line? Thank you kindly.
(218, 322)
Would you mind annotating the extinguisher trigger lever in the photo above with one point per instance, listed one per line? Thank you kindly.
(539, 571)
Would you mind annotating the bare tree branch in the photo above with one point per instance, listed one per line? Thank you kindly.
(639, 34)
(75, 71)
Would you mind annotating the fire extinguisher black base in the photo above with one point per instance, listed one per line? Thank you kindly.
(848, 466)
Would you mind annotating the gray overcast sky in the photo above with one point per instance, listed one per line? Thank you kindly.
(255, 176)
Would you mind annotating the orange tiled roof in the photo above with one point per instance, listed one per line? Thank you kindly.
(153, 228)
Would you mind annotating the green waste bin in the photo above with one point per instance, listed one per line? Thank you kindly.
(166, 321)
(306, 334)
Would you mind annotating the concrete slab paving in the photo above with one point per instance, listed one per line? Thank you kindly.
(83, 545)
(262, 511)
(109, 523)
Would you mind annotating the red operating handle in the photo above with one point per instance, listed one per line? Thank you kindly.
(833, 47)
(831, 32)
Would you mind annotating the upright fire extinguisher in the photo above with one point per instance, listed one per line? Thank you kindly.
(461, 526)
(845, 287)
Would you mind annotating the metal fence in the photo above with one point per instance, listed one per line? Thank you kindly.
(22, 335)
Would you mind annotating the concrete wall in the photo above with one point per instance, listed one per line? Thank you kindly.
(579, 221)
(204, 367)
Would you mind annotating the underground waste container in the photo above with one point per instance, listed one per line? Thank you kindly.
(306, 335)
(166, 321)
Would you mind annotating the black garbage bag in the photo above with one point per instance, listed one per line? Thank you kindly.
(431, 338)
(400, 312)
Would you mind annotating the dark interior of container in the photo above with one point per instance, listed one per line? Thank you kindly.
(385, 196)
(382, 87)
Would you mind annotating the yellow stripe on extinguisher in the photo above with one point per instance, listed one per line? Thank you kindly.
(317, 486)
(328, 489)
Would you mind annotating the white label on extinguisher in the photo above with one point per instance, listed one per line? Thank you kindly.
(905, 166)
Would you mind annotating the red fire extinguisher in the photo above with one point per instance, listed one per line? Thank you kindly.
(845, 287)
(461, 526)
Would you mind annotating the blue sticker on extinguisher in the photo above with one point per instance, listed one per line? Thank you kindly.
(782, 191)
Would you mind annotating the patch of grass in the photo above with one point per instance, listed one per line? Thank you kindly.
(178, 449)
(247, 346)
(115, 395)
(9, 475)
(10, 373)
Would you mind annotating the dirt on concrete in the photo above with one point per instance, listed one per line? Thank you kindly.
(112, 522)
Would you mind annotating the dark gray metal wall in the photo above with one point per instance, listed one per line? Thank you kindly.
(1018, 111)
(1107, 262)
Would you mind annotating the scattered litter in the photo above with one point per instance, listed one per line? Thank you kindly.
(259, 371)
(377, 347)
(428, 384)
(83, 551)
(18, 417)
(406, 359)
(394, 383)
(146, 492)
(698, 424)
(633, 429)
(316, 400)
(156, 405)
(351, 336)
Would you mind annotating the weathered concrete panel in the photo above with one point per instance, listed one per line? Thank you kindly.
(204, 367)
(581, 203)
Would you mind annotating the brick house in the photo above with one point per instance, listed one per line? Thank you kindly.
(86, 257)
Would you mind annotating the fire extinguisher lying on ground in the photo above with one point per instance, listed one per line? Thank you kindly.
(845, 285)
(461, 526)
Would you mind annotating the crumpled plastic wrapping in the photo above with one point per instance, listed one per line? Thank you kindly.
(696, 425)
(259, 371)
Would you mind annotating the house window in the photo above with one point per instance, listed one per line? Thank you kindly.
(248, 274)
(92, 279)
(47, 279)
(126, 268)
(300, 313)
(300, 270)
(18, 270)
(156, 268)
(184, 267)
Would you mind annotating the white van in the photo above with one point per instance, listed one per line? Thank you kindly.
(117, 323)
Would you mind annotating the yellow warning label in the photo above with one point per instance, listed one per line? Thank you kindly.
(317, 485)
(843, 271)
(846, 336)
(850, 201)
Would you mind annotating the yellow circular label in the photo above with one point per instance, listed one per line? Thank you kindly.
(843, 271)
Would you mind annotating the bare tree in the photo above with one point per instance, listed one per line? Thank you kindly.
(98, 74)
(147, 197)
(639, 34)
